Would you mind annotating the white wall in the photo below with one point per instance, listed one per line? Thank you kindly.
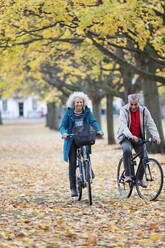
(29, 111)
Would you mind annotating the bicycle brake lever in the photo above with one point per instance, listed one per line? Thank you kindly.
(140, 141)
(153, 140)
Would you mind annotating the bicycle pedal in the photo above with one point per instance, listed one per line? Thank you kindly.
(83, 185)
(133, 163)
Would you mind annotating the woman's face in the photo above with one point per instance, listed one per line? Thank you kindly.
(78, 104)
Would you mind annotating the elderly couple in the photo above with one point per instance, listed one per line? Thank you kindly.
(133, 120)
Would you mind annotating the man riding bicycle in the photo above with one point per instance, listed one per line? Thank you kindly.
(133, 120)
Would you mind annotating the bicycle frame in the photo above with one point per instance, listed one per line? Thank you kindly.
(82, 159)
(133, 163)
(150, 174)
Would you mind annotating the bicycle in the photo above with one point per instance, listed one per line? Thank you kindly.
(153, 177)
(84, 172)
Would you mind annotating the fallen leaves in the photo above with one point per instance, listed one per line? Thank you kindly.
(36, 210)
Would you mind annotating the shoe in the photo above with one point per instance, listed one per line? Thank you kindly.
(74, 193)
(142, 183)
(127, 179)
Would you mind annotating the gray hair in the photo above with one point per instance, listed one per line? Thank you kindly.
(133, 97)
(77, 94)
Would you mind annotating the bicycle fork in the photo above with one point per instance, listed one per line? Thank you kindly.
(148, 175)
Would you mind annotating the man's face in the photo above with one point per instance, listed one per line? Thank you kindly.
(134, 105)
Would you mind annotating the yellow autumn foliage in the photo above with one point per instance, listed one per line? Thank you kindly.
(33, 33)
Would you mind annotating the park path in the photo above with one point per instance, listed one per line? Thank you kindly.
(36, 210)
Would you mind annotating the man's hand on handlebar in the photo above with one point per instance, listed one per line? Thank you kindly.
(153, 140)
(135, 138)
(158, 141)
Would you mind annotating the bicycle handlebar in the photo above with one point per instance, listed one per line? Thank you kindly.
(144, 141)
(72, 134)
(150, 140)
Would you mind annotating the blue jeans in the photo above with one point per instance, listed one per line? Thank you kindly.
(127, 146)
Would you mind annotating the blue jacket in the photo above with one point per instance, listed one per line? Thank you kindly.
(68, 124)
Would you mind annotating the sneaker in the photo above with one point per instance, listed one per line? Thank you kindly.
(127, 179)
(74, 193)
(142, 183)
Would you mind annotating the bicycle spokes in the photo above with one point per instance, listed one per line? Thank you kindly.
(125, 189)
(121, 180)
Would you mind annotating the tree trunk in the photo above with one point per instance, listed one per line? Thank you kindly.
(151, 101)
(49, 119)
(110, 126)
(1, 119)
(93, 91)
(52, 120)
(96, 109)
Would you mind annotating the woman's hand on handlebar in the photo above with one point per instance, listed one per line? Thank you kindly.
(100, 133)
(65, 136)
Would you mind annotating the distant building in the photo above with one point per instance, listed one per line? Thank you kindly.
(29, 107)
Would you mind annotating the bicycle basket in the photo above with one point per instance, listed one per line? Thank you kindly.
(85, 137)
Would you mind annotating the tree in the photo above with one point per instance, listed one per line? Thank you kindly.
(133, 28)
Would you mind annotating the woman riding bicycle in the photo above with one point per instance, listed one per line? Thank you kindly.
(77, 116)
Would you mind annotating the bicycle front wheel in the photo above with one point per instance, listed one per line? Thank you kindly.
(79, 181)
(125, 189)
(88, 180)
(153, 177)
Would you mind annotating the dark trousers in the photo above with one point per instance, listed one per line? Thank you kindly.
(72, 165)
(127, 146)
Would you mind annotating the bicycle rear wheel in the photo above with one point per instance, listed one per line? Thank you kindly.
(153, 177)
(125, 189)
(88, 179)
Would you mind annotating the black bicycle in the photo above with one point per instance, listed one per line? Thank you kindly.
(84, 172)
(153, 177)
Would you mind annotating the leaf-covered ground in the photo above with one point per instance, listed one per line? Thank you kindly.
(36, 210)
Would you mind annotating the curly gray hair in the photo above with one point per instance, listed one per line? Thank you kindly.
(77, 94)
(133, 97)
